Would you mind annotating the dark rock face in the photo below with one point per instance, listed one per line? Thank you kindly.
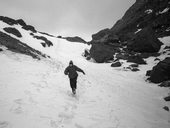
(101, 53)
(21, 22)
(13, 31)
(29, 27)
(134, 69)
(165, 84)
(19, 47)
(86, 54)
(1, 50)
(167, 98)
(59, 37)
(116, 64)
(136, 59)
(148, 73)
(139, 29)
(75, 39)
(134, 65)
(161, 72)
(8, 20)
(144, 41)
(100, 34)
(166, 108)
(11, 21)
(142, 14)
(46, 41)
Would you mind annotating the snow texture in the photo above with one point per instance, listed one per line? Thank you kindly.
(164, 11)
(149, 11)
(36, 94)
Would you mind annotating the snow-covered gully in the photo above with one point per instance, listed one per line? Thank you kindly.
(36, 93)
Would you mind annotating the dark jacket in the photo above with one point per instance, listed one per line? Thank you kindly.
(71, 71)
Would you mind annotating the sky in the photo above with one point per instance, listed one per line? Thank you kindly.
(67, 17)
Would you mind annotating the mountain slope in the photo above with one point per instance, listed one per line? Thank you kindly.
(137, 32)
(36, 93)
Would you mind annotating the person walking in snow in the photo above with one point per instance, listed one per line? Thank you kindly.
(71, 71)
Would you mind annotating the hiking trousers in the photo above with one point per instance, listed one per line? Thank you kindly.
(73, 83)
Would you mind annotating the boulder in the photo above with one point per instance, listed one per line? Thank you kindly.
(116, 64)
(166, 108)
(167, 98)
(144, 41)
(59, 37)
(136, 59)
(134, 65)
(1, 50)
(101, 53)
(134, 69)
(148, 73)
(165, 84)
(13, 31)
(161, 72)
(86, 53)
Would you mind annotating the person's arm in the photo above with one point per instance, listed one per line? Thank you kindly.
(66, 71)
(79, 70)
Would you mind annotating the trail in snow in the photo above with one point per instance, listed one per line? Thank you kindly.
(40, 96)
(37, 94)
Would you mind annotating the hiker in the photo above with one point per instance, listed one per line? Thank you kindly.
(71, 71)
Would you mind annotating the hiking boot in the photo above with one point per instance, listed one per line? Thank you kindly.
(74, 91)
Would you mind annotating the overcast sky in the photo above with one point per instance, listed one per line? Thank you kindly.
(67, 17)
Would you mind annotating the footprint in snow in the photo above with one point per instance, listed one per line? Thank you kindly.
(4, 124)
(17, 107)
(78, 126)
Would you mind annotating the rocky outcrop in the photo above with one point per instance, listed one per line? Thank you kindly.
(165, 84)
(144, 42)
(17, 46)
(136, 59)
(8, 20)
(46, 34)
(166, 108)
(160, 72)
(45, 43)
(167, 98)
(29, 27)
(116, 64)
(74, 39)
(138, 30)
(13, 31)
(101, 53)
(21, 22)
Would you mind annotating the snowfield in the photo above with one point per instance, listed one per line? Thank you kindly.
(36, 93)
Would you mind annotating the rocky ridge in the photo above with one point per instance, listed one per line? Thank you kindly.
(135, 36)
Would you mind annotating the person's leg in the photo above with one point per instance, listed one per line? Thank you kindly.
(72, 84)
(75, 83)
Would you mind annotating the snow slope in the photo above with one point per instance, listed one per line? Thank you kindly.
(36, 94)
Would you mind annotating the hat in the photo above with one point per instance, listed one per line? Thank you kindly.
(71, 62)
